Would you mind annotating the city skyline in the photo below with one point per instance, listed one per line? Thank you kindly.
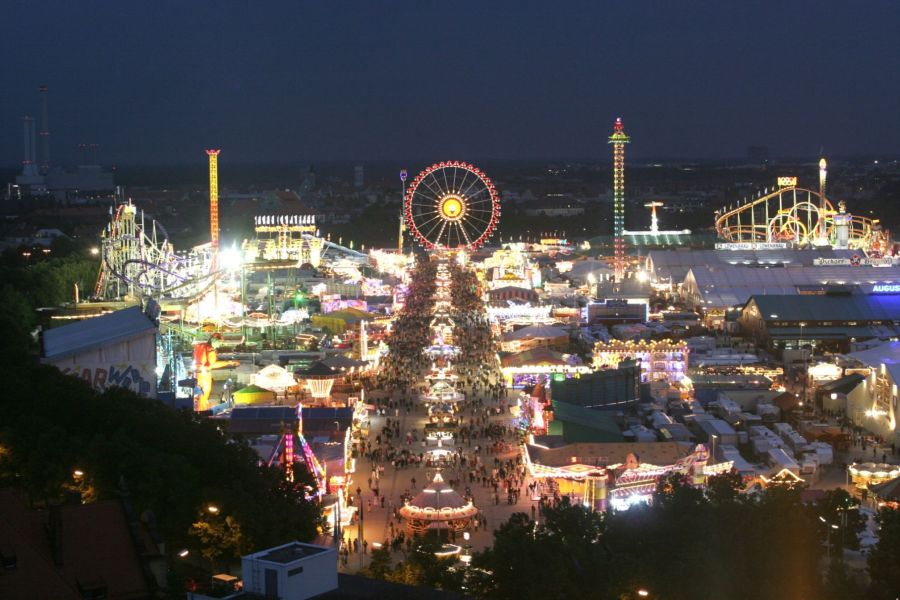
(508, 81)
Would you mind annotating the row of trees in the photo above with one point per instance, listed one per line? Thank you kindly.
(687, 544)
(691, 544)
(58, 436)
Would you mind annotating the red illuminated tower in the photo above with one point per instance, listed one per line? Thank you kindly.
(618, 139)
(214, 206)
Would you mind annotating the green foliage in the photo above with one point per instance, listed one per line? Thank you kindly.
(166, 461)
(379, 565)
(685, 545)
(29, 286)
(724, 488)
(420, 567)
(562, 557)
(884, 559)
(838, 507)
(220, 538)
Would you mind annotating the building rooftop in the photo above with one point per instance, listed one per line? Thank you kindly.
(542, 356)
(675, 264)
(840, 308)
(77, 337)
(884, 353)
(727, 285)
(290, 552)
(598, 421)
(535, 332)
(600, 454)
(57, 551)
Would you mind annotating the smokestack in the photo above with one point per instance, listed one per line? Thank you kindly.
(26, 157)
(33, 145)
(45, 131)
(28, 166)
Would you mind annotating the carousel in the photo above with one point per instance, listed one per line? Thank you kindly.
(441, 391)
(438, 507)
(318, 379)
(439, 454)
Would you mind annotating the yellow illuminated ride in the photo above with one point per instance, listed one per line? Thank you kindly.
(802, 217)
(206, 359)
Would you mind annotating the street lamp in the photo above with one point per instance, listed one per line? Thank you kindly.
(184, 553)
(643, 593)
(213, 509)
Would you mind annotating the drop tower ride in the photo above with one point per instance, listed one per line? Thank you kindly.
(618, 140)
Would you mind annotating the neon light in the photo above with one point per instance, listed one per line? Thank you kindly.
(289, 456)
(886, 288)
(787, 182)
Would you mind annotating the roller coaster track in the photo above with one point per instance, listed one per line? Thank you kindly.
(797, 215)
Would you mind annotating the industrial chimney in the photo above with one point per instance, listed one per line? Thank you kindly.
(45, 132)
(29, 168)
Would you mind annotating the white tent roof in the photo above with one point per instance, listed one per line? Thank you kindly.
(888, 352)
(274, 378)
(535, 331)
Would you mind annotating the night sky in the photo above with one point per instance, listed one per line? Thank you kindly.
(156, 82)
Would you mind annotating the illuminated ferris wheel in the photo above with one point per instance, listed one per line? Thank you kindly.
(451, 205)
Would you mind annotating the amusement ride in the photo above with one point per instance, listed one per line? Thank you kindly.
(451, 205)
(790, 214)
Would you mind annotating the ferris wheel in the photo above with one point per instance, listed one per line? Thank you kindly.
(451, 205)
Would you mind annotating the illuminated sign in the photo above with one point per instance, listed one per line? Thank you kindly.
(854, 261)
(886, 288)
(752, 246)
(787, 182)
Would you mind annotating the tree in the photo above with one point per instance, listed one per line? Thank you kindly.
(724, 487)
(220, 538)
(379, 565)
(838, 507)
(885, 555)
(561, 557)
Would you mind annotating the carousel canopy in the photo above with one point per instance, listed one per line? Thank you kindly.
(275, 378)
(438, 504)
(887, 490)
(342, 362)
(317, 370)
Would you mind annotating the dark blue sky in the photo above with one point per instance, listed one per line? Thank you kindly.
(156, 82)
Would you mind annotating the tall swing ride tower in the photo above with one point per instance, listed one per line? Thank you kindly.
(214, 206)
(618, 140)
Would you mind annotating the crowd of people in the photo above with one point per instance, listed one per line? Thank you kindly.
(477, 363)
(477, 448)
(405, 365)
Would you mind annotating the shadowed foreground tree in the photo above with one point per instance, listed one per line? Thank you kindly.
(562, 556)
(221, 539)
(685, 545)
(164, 462)
(884, 559)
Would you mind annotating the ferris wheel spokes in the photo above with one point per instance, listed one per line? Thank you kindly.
(451, 205)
